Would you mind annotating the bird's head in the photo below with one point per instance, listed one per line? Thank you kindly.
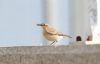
(42, 25)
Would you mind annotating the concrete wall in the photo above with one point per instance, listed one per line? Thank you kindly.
(72, 54)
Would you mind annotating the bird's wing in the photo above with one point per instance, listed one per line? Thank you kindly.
(51, 30)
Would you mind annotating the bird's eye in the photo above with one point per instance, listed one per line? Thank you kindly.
(43, 24)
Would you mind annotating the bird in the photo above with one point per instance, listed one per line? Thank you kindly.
(51, 34)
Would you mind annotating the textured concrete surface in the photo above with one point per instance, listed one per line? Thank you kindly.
(72, 54)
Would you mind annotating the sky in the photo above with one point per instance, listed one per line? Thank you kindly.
(18, 19)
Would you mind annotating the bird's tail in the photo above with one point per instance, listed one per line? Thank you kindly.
(65, 35)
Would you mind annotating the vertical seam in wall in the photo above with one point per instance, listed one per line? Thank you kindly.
(20, 59)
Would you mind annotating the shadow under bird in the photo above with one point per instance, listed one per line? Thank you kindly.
(51, 33)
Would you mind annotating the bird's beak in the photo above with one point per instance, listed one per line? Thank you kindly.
(40, 25)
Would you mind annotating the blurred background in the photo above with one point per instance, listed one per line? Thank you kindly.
(18, 19)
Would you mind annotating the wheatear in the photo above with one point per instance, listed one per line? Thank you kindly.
(51, 34)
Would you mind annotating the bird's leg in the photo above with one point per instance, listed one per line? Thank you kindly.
(52, 42)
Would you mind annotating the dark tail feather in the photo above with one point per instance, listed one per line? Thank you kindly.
(65, 35)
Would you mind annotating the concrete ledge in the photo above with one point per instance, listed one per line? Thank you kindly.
(72, 54)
